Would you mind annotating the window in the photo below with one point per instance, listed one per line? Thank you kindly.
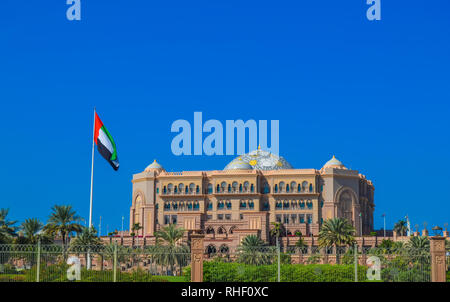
(175, 206)
(251, 205)
(186, 190)
(229, 188)
(210, 188)
(309, 218)
(266, 206)
(309, 204)
(164, 190)
(208, 217)
(281, 186)
(278, 218)
(310, 187)
(220, 216)
(209, 205)
(321, 188)
(286, 219)
(196, 206)
(228, 205)
(157, 190)
(220, 205)
(166, 219)
(243, 205)
(241, 216)
(293, 218)
(252, 188)
(227, 216)
(266, 189)
(197, 189)
(240, 188)
(278, 205)
(299, 188)
(174, 219)
(285, 205)
(275, 188)
(302, 218)
(302, 204)
(235, 186)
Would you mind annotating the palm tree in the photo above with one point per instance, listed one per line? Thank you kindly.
(277, 230)
(253, 250)
(32, 229)
(111, 235)
(136, 227)
(7, 228)
(418, 250)
(87, 241)
(169, 250)
(336, 232)
(401, 227)
(63, 221)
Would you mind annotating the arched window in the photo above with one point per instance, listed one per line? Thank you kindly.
(266, 188)
(191, 188)
(246, 184)
(287, 189)
(210, 230)
(252, 188)
(217, 189)
(221, 230)
(181, 188)
(310, 187)
(299, 188)
(304, 186)
(235, 186)
(229, 188)
(224, 249)
(281, 186)
(293, 186)
(186, 189)
(175, 190)
(210, 188)
(228, 205)
(275, 189)
(197, 189)
(169, 188)
(211, 250)
(223, 186)
(240, 188)
(251, 205)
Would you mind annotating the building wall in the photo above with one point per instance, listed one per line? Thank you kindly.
(219, 212)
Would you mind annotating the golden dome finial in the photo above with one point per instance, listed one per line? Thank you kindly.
(259, 147)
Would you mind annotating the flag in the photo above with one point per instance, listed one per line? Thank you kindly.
(105, 143)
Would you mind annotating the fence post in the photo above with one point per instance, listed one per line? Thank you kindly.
(38, 260)
(438, 266)
(278, 263)
(115, 262)
(355, 256)
(197, 257)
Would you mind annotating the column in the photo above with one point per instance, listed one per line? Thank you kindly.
(197, 257)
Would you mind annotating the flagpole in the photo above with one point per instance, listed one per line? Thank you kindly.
(92, 187)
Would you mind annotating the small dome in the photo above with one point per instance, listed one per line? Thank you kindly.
(238, 164)
(154, 166)
(334, 163)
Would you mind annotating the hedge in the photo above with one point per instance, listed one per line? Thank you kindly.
(236, 272)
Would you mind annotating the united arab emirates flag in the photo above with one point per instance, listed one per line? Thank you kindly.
(105, 143)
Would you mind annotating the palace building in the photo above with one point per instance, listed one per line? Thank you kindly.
(250, 193)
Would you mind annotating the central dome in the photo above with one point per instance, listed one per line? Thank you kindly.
(259, 160)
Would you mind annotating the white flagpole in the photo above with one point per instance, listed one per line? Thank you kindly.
(92, 188)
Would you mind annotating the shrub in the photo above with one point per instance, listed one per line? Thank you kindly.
(237, 272)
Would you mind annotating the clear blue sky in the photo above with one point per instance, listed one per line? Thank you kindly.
(375, 94)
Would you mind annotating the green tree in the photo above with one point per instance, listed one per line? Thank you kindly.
(32, 231)
(135, 228)
(62, 222)
(169, 250)
(277, 231)
(401, 227)
(7, 228)
(253, 250)
(88, 243)
(336, 232)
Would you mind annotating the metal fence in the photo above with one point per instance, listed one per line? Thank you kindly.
(313, 264)
(116, 263)
(109, 263)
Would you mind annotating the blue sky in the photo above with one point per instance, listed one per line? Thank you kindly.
(375, 94)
